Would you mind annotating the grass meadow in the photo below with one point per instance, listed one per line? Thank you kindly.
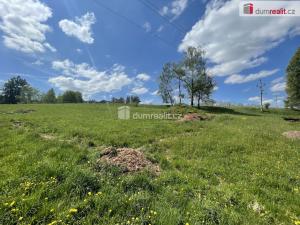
(236, 168)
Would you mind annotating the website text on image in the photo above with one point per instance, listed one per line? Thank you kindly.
(269, 8)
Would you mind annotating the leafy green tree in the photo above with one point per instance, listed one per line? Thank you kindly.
(204, 86)
(29, 95)
(194, 65)
(293, 81)
(50, 97)
(72, 97)
(166, 84)
(12, 89)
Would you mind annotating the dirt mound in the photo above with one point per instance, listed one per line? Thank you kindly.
(194, 117)
(130, 160)
(292, 134)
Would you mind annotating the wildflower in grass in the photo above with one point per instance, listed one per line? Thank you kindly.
(89, 193)
(297, 222)
(73, 210)
(187, 224)
(109, 210)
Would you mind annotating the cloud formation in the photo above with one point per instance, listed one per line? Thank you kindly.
(139, 90)
(278, 85)
(175, 9)
(233, 43)
(143, 77)
(239, 79)
(147, 27)
(86, 79)
(81, 28)
(23, 25)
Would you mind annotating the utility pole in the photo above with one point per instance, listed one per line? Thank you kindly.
(261, 86)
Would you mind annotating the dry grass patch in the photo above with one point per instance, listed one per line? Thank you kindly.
(128, 159)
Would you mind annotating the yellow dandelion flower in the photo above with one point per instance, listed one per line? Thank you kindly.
(73, 210)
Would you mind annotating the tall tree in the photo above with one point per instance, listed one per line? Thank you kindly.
(204, 86)
(179, 74)
(49, 97)
(293, 81)
(12, 89)
(165, 84)
(194, 65)
(29, 95)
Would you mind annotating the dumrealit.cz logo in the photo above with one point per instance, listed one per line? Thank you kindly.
(125, 114)
(248, 8)
(269, 8)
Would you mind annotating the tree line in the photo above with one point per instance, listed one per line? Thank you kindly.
(18, 90)
(187, 76)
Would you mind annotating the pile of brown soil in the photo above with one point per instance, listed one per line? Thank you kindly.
(292, 134)
(130, 160)
(194, 117)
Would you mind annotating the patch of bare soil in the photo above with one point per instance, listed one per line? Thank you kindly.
(130, 160)
(194, 117)
(292, 134)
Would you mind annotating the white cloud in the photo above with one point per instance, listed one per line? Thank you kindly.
(80, 28)
(23, 25)
(233, 43)
(139, 90)
(38, 63)
(216, 88)
(256, 99)
(239, 79)
(175, 9)
(86, 79)
(143, 77)
(160, 28)
(155, 92)
(278, 85)
(147, 26)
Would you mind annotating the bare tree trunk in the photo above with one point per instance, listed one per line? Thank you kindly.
(198, 102)
(179, 87)
(192, 93)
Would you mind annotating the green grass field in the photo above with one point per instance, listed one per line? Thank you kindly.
(234, 169)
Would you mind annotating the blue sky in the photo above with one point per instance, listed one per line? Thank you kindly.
(116, 48)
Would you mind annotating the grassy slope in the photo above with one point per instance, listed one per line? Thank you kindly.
(212, 171)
